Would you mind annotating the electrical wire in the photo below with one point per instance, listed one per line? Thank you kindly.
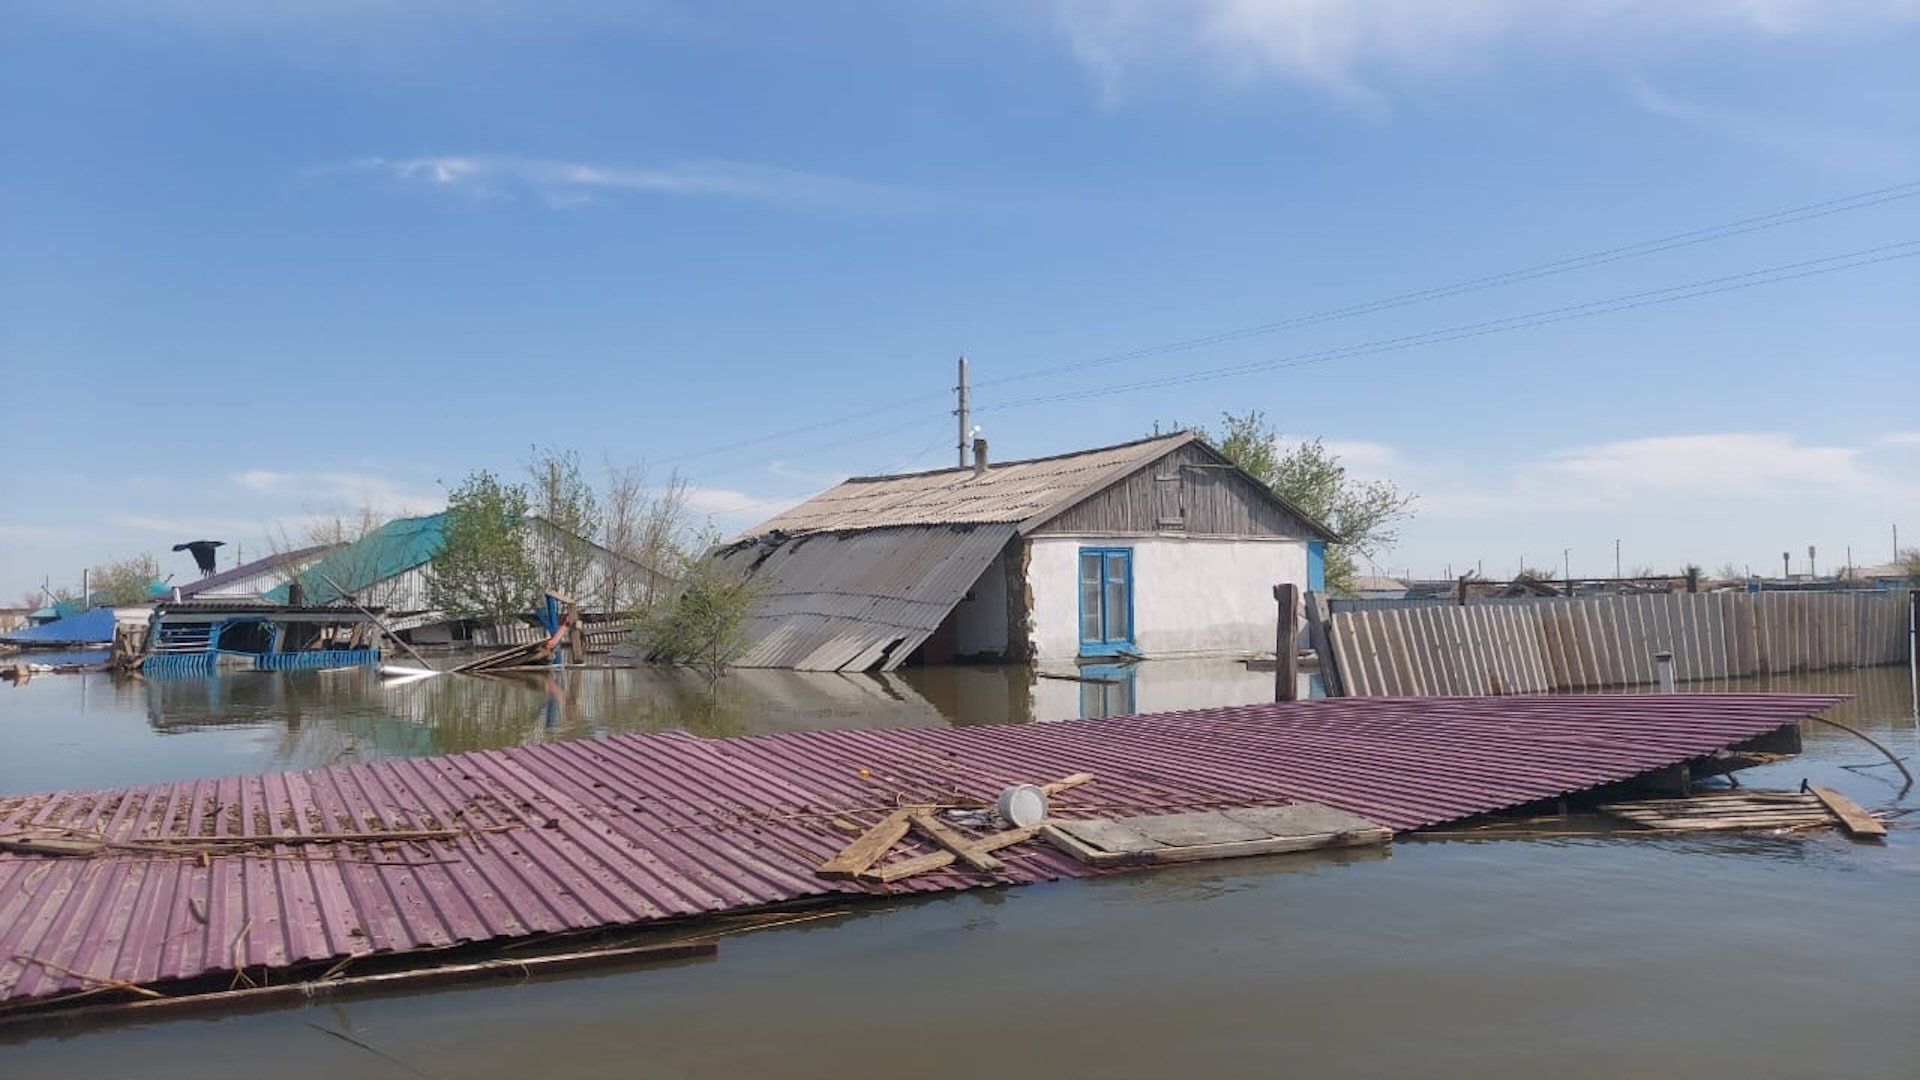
(1777, 219)
(1628, 302)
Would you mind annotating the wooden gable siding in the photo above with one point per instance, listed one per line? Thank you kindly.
(1200, 496)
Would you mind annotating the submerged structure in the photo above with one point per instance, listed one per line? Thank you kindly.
(177, 890)
(1158, 548)
(202, 637)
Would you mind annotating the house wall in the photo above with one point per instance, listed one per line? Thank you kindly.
(980, 619)
(1192, 596)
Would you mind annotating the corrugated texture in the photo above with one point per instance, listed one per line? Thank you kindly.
(860, 601)
(86, 628)
(1008, 492)
(580, 835)
(254, 578)
(1590, 642)
(390, 550)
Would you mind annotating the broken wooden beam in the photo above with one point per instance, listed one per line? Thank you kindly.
(1853, 818)
(939, 860)
(870, 845)
(963, 848)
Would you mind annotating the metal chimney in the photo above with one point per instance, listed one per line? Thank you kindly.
(979, 457)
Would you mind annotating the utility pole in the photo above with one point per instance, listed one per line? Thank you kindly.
(964, 412)
(1616, 560)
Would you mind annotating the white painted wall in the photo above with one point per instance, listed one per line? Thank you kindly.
(1192, 596)
(980, 622)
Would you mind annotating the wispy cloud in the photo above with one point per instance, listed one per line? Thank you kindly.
(1338, 45)
(1900, 438)
(573, 183)
(329, 492)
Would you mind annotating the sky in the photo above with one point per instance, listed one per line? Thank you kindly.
(1589, 276)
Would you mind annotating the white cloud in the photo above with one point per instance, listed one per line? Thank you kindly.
(572, 183)
(1900, 438)
(1336, 45)
(330, 492)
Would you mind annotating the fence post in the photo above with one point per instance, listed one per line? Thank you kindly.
(1286, 647)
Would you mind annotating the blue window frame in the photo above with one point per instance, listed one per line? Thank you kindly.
(1106, 601)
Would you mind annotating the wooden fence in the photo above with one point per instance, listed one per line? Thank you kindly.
(1541, 645)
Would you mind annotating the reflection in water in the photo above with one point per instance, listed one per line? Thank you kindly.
(73, 731)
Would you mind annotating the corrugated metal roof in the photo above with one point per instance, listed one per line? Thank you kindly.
(858, 601)
(1008, 492)
(595, 834)
(390, 550)
(86, 628)
(289, 561)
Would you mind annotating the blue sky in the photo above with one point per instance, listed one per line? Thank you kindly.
(264, 262)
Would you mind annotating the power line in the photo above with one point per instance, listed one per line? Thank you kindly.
(1795, 215)
(1650, 298)
(1790, 216)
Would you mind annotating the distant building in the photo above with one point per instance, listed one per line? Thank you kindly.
(254, 580)
(1155, 548)
(1373, 587)
(389, 569)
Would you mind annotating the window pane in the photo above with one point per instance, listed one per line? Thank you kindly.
(1089, 596)
(1118, 628)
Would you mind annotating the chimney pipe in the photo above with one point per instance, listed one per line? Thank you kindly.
(979, 457)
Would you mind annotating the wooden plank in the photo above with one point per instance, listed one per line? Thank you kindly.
(961, 847)
(871, 845)
(1856, 820)
(1067, 783)
(1272, 845)
(888, 873)
(1304, 819)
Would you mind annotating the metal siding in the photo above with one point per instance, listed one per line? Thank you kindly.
(604, 833)
(837, 602)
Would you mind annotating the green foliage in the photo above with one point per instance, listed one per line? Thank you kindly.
(1365, 514)
(563, 555)
(125, 582)
(704, 624)
(483, 569)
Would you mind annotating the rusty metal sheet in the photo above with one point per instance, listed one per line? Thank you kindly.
(630, 830)
(859, 601)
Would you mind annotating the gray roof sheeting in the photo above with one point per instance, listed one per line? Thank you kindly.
(1013, 492)
(862, 600)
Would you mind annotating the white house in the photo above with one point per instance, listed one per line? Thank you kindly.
(1156, 548)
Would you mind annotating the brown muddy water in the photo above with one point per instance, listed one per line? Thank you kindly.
(1736, 956)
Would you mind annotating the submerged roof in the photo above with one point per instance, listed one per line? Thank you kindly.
(1010, 492)
(859, 601)
(600, 833)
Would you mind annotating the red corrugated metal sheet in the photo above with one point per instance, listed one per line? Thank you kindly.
(580, 835)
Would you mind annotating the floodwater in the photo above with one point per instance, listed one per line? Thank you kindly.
(1735, 956)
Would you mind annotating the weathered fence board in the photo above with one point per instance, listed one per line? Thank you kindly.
(1583, 643)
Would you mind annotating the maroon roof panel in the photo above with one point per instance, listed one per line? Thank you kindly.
(637, 828)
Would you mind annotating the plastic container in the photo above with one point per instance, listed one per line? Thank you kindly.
(1022, 806)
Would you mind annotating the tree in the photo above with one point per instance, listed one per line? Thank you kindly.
(129, 581)
(562, 555)
(1910, 559)
(704, 625)
(642, 527)
(1364, 514)
(483, 569)
(1729, 572)
(334, 530)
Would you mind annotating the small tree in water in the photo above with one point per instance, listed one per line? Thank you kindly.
(483, 570)
(1363, 513)
(704, 624)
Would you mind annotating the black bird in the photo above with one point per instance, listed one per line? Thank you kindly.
(202, 553)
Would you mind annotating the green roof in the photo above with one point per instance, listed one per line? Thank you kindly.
(388, 551)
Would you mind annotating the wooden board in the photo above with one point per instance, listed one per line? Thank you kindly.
(963, 848)
(925, 864)
(1856, 820)
(870, 846)
(1172, 838)
(1722, 812)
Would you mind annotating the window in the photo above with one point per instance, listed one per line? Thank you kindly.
(1106, 600)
